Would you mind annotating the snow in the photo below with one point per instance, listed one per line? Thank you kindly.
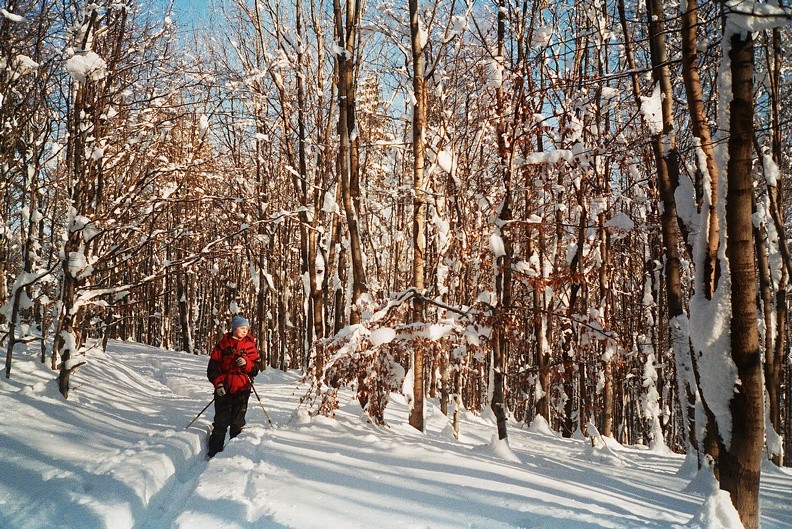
(86, 64)
(11, 16)
(749, 16)
(774, 441)
(495, 72)
(329, 204)
(423, 33)
(717, 512)
(25, 65)
(435, 331)
(771, 170)
(446, 161)
(541, 37)
(549, 157)
(525, 268)
(340, 50)
(651, 110)
(459, 24)
(382, 335)
(496, 244)
(203, 126)
(685, 193)
(710, 320)
(77, 263)
(117, 455)
(620, 221)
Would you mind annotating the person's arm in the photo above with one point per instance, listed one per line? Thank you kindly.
(252, 357)
(213, 369)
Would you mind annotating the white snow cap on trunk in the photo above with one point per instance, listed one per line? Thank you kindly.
(496, 244)
(423, 33)
(203, 126)
(86, 64)
(710, 336)
(651, 110)
(495, 72)
(445, 159)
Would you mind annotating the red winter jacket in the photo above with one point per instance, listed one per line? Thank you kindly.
(223, 369)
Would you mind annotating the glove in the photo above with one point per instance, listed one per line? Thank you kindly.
(220, 391)
(241, 361)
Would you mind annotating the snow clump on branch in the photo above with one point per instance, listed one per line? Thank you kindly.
(86, 65)
(11, 16)
(651, 110)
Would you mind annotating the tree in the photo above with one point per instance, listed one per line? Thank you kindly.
(115, 142)
(738, 411)
(706, 180)
(740, 456)
(504, 253)
(666, 155)
(348, 147)
(26, 95)
(417, 36)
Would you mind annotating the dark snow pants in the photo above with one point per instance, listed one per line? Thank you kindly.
(230, 412)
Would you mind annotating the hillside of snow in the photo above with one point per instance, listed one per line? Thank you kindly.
(116, 455)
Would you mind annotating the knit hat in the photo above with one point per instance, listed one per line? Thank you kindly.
(239, 321)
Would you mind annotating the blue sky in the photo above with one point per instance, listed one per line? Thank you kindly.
(188, 12)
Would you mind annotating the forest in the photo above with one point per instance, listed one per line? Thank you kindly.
(573, 212)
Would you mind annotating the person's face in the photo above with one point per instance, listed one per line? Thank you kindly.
(240, 332)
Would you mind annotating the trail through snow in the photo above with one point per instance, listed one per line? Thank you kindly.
(116, 455)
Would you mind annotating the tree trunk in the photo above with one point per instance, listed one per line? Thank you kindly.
(571, 361)
(774, 361)
(503, 263)
(445, 368)
(184, 312)
(12, 331)
(347, 166)
(457, 401)
(65, 339)
(740, 461)
(701, 130)
(307, 226)
(419, 206)
(540, 335)
(705, 174)
(666, 155)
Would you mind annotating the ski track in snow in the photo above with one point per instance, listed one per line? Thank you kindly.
(116, 455)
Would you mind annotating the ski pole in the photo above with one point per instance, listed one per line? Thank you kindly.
(261, 403)
(200, 413)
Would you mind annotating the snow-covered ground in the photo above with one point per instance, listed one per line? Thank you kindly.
(116, 455)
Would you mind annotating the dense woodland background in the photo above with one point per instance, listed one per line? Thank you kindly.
(509, 205)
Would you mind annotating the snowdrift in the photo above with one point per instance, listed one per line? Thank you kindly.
(116, 455)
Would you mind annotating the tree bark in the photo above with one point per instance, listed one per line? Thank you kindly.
(774, 361)
(419, 206)
(708, 173)
(740, 461)
(666, 155)
(701, 130)
(503, 264)
(348, 166)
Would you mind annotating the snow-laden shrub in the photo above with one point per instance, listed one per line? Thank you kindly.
(375, 357)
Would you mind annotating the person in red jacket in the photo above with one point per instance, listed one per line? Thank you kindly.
(232, 364)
